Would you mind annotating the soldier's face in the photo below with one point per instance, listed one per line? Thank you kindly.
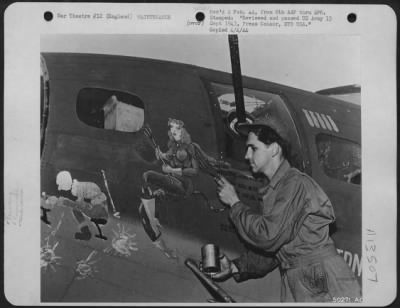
(176, 131)
(258, 154)
(64, 184)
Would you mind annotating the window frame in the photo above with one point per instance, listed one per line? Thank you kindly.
(111, 91)
(224, 129)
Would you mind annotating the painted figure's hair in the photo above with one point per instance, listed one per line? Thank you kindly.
(175, 121)
(185, 135)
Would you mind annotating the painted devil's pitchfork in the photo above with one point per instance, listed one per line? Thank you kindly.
(149, 134)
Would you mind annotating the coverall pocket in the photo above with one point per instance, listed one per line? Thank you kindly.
(315, 279)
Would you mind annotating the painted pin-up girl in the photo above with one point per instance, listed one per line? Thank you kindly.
(179, 166)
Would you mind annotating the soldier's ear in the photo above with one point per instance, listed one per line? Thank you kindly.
(276, 149)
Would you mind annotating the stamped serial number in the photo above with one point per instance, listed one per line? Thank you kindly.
(346, 299)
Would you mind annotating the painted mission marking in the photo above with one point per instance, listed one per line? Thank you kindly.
(320, 120)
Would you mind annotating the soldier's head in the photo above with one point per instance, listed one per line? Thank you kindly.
(64, 180)
(266, 143)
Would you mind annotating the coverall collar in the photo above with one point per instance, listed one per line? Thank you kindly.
(280, 172)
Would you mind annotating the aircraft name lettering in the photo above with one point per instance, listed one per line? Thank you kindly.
(353, 260)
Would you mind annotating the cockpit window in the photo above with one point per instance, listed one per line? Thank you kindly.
(110, 109)
(227, 103)
(339, 158)
(257, 103)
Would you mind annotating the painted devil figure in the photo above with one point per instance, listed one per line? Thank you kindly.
(179, 166)
(90, 203)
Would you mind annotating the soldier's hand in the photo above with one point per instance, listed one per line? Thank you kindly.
(226, 271)
(226, 191)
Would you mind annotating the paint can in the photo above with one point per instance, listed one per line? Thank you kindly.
(210, 258)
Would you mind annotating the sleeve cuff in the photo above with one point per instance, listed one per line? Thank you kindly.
(236, 275)
(236, 203)
(235, 209)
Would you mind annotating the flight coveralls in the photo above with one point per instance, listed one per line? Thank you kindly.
(89, 193)
(91, 202)
(292, 232)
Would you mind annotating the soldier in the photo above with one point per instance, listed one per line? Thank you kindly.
(291, 229)
(90, 201)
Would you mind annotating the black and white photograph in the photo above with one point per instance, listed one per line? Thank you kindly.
(207, 168)
(238, 157)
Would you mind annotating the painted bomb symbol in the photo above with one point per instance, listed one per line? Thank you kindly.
(48, 257)
(86, 268)
(123, 242)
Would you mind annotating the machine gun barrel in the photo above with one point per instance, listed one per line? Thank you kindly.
(215, 289)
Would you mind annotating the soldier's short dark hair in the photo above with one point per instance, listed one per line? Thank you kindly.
(268, 136)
